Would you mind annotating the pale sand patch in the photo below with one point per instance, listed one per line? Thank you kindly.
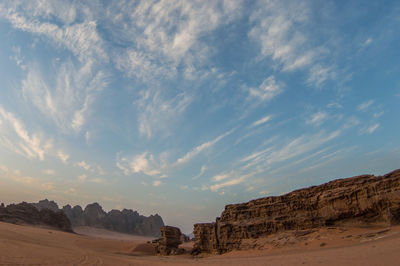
(24, 245)
(107, 234)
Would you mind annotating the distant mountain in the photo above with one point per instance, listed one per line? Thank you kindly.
(25, 213)
(125, 221)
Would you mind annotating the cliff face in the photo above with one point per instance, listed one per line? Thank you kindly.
(125, 221)
(356, 201)
(25, 213)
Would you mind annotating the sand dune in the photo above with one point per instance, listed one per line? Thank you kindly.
(26, 245)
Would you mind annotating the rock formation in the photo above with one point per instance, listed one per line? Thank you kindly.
(125, 221)
(25, 213)
(169, 242)
(357, 201)
(46, 204)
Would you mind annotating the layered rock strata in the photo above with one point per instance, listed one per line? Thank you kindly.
(168, 244)
(358, 201)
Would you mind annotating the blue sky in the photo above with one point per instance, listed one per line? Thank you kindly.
(181, 107)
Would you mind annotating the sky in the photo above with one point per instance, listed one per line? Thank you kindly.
(181, 107)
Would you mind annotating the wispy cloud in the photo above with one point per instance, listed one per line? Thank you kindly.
(68, 103)
(232, 182)
(142, 163)
(317, 118)
(261, 121)
(82, 177)
(157, 114)
(202, 171)
(206, 145)
(267, 90)
(16, 137)
(49, 172)
(63, 156)
(279, 29)
(157, 183)
(365, 105)
(84, 165)
(162, 40)
(369, 129)
(81, 38)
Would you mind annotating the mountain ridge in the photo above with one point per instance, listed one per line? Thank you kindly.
(125, 221)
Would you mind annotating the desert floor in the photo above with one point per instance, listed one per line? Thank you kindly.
(27, 245)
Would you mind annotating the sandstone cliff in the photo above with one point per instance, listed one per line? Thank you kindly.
(25, 213)
(125, 221)
(357, 201)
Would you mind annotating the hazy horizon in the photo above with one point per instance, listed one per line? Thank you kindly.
(181, 107)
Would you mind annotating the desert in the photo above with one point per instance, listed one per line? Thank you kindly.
(346, 221)
(199, 132)
(28, 245)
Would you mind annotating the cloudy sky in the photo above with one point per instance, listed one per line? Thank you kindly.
(181, 107)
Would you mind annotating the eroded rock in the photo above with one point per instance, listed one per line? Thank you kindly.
(169, 242)
(357, 201)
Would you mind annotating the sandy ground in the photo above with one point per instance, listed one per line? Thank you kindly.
(26, 245)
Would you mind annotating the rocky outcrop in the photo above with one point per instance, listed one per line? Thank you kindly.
(169, 242)
(46, 204)
(357, 201)
(125, 221)
(25, 213)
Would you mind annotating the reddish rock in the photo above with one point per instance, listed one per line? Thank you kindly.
(357, 201)
(169, 242)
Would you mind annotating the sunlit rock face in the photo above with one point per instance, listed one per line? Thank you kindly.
(356, 201)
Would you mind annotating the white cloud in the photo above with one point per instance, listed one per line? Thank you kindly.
(369, 129)
(156, 183)
(142, 163)
(317, 118)
(80, 38)
(220, 177)
(15, 137)
(82, 178)
(367, 42)
(71, 191)
(280, 30)
(48, 186)
(378, 114)
(319, 74)
(68, 101)
(267, 90)
(261, 121)
(335, 105)
(98, 180)
(157, 114)
(364, 106)
(63, 156)
(84, 165)
(202, 171)
(164, 35)
(195, 151)
(231, 182)
(49, 172)
(18, 58)
(4, 168)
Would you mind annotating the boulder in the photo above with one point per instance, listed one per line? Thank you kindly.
(169, 242)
